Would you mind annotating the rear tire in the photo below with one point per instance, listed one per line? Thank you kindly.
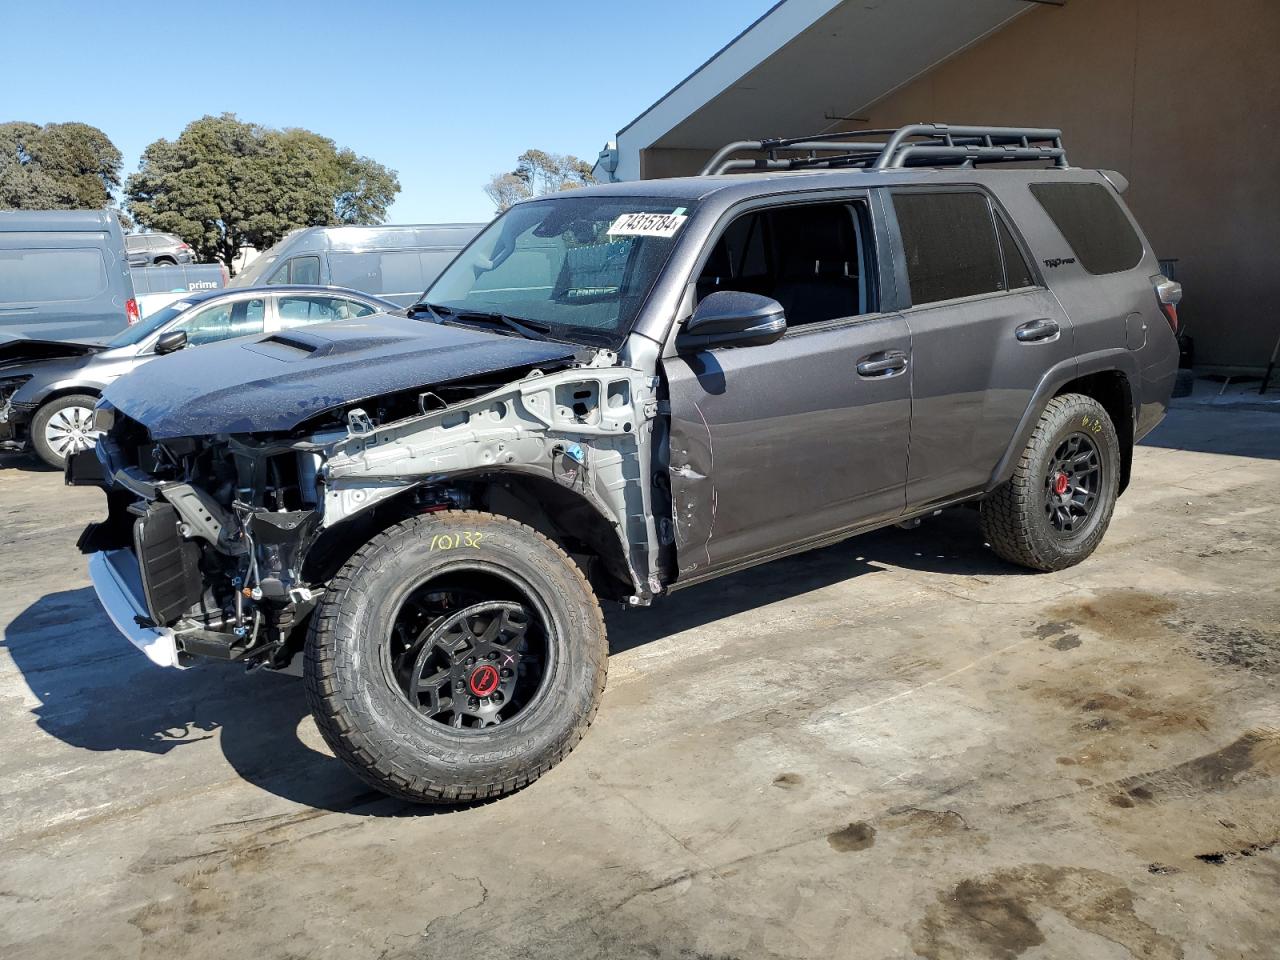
(63, 427)
(410, 694)
(1054, 511)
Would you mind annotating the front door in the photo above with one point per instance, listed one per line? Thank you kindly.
(778, 445)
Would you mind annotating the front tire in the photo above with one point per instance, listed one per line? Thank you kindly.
(62, 427)
(1054, 511)
(457, 656)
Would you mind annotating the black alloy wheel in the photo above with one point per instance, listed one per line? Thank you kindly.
(473, 668)
(1072, 484)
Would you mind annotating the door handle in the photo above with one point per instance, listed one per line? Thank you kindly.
(878, 366)
(1035, 331)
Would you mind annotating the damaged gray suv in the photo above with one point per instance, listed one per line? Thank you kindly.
(622, 391)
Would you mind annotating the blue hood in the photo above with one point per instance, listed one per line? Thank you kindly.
(275, 382)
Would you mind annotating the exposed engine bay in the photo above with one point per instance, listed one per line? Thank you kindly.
(236, 535)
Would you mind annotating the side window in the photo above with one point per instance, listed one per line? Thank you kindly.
(812, 258)
(1017, 273)
(297, 270)
(223, 321)
(950, 244)
(1093, 224)
(304, 270)
(351, 309)
(297, 311)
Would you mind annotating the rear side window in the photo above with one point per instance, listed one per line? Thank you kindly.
(32, 276)
(1093, 224)
(951, 245)
(1017, 273)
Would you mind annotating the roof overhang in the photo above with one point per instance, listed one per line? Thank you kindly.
(806, 67)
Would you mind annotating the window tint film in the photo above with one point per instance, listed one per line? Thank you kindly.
(223, 321)
(1093, 224)
(31, 276)
(950, 244)
(810, 258)
(304, 270)
(1016, 272)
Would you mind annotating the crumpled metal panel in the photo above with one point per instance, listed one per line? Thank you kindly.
(274, 383)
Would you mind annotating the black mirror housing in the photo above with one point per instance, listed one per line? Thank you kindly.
(728, 318)
(171, 342)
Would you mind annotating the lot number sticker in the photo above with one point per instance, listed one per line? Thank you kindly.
(647, 225)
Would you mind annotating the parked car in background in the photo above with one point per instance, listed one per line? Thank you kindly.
(157, 287)
(48, 388)
(145, 249)
(63, 274)
(395, 262)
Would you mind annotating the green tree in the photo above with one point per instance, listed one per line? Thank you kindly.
(60, 166)
(538, 173)
(224, 184)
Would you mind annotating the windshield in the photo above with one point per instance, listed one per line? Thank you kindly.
(140, 331)
(580, 267)
(252, 274)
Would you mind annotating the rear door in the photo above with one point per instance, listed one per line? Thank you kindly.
(984, 331)
(779, 445)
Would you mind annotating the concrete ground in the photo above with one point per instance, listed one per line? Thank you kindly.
(894, 747)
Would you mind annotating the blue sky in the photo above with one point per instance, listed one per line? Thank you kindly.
(446, 93)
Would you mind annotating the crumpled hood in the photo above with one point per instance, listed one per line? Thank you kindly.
(21, 351)
(275, 382)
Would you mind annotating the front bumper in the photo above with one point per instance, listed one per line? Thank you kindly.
(118, 583)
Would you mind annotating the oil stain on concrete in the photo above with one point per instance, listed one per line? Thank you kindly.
(998, 915)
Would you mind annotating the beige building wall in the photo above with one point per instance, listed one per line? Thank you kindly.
(1181, 96)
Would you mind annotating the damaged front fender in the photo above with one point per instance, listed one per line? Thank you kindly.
(589, 429)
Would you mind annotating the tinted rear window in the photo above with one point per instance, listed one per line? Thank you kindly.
(33, 276)
(1093, 224)
(951, 246)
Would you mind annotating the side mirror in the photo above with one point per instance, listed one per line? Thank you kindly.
(731, 319)
(171, 342)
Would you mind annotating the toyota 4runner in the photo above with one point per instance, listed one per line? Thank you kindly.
(622, 391)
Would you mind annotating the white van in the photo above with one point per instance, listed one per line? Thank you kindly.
(394, 262)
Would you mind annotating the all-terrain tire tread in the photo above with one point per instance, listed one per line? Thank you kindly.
(1007, 513)
(363, 755)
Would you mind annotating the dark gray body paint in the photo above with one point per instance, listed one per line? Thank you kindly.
(273, 383)
(768, 449)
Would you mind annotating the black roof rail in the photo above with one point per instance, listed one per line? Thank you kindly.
(919, 144)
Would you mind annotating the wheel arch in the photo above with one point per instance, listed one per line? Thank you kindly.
(566, 517)
(1109, 377)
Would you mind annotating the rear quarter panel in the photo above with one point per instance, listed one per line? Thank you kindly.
(1116, 321)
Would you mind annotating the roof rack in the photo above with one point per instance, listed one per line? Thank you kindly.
(916, 145)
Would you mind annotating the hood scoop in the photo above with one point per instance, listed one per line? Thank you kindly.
(290, 345)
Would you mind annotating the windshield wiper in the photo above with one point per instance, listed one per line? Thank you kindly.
(529, 329)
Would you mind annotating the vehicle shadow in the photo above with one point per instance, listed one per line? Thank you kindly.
(1236, 433)
(24, 461)
(950, 543)
(97, 693)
